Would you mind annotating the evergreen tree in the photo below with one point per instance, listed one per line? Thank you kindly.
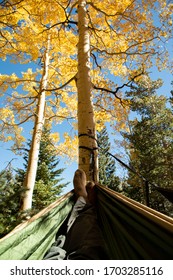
(150, 141)
(10, 193)
(48, 184)
(107, 166)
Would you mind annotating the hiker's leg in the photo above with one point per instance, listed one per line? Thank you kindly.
(84, 238)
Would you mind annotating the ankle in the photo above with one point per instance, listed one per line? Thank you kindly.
(79, 183)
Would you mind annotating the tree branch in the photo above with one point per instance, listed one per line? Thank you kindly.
(103, 109)
(61, 117)
(126, 51)
(64, 85)
(95, 60)
(114, 92)
(16, 124)
(99, 10)
(24, 107)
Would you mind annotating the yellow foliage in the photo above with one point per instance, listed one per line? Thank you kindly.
(5, 113)
(69, 147)
(55, 137)
(120, 31)
(101, 117)
(17, 104)
(8, 138)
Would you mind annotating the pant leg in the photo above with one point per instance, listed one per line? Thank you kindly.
(84, 239)
(77, 208)
(56, 251)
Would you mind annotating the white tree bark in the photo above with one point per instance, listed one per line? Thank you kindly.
(31, 172)
(86, 125)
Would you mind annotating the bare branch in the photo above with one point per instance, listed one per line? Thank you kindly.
(110, 91)
(64, 85)
(20, 81)
(95, 60)
(114, 92)
(101, 11)
(16, 124)
(130, 47)
(61, 117)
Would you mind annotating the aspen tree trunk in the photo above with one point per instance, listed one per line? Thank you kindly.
(86, 126)
(31, 172)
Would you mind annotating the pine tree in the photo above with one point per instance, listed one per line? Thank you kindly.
(107, 166)
(150, 141)
(10, 193)
(48, 185)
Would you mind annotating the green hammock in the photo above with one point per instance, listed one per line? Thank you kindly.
(130, 229)
(31, 239)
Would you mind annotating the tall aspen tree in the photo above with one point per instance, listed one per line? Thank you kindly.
(31, 172)
(86, 125)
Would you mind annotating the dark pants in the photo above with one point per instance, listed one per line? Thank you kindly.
(84, 240)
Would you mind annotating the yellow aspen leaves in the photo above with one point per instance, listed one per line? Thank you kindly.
(123, 36)
(5, 113)
(55, 137)
(68, 147)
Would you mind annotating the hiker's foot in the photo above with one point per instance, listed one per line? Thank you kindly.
(79, 182)
(90, 188)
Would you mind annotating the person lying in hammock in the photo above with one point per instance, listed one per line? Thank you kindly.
(83, 239)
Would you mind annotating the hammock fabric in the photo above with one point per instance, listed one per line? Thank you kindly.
(167, 193)
(133, 230)
(30, 240)
(130, 229)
